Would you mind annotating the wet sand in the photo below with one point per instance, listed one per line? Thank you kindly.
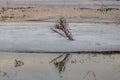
(17, 14)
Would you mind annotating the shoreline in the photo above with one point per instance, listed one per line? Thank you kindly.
(16, 14)
(32, 22)
(109, 52)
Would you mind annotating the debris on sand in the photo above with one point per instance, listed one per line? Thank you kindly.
(18, 63)
(59, 63)
(3, 74)
(89, 73)
(63, 26)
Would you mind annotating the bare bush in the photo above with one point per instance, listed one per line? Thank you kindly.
(63, 26)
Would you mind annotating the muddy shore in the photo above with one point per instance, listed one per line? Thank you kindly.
(17, 14)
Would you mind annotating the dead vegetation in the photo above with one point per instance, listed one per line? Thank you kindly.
(3, 74)
(89, 73)
(11, 13)
(18, 63)
(106, 10)
(63, 26)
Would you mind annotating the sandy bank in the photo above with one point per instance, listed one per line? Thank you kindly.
(30, 13)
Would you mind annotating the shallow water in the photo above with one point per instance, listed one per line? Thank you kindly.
(78, 67)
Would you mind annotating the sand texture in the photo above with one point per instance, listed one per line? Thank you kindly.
(30, 13)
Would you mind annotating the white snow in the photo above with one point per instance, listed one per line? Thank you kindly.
(38, 37)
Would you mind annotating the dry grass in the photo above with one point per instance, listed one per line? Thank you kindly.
(63, 26)
(18, 63)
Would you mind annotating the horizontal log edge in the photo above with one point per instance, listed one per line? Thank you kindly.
(68, 52)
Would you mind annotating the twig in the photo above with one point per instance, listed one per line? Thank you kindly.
(58, 32)
(92, 74)
(62, 25)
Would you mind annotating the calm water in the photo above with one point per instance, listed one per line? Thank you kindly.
(76, 67)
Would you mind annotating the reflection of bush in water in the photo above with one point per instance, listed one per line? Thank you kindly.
(61, 64)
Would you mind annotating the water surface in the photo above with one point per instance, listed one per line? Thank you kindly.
(78, 67)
